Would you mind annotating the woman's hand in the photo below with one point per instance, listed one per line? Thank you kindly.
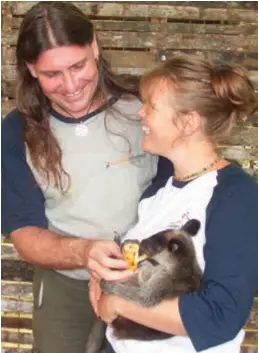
(94, 293)
(103, 259)
(107, 307)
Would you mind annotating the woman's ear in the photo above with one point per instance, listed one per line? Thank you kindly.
(192, 122)
(32, 70)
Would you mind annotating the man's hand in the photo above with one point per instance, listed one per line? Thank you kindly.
(103, 259)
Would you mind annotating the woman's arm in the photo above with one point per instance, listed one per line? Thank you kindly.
(217, 312)
(164, 317)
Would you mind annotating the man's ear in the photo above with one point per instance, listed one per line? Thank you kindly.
(95, 47)
(32, 70)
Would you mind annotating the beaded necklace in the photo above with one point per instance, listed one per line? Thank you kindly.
(200, 172)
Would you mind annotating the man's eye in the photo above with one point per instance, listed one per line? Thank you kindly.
(51, 74)
(78, 66)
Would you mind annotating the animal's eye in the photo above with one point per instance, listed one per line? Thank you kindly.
(174, 247)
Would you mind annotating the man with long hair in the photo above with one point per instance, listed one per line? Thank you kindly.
(73, 169)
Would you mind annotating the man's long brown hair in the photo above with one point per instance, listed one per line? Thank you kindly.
(67, 25)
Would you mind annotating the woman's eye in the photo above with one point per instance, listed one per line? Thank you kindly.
(153, 107)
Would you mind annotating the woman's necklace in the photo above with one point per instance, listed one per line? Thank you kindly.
(200, 172)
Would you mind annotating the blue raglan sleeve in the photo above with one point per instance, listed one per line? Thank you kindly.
(22, 199)
(216, 313)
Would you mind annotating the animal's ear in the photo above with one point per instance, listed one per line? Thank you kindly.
(192, 226)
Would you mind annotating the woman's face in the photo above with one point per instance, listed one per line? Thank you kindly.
(161, 134)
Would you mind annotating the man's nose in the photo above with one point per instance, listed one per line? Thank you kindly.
(69, 83)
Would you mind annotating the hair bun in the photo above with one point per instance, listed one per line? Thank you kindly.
(232, 86)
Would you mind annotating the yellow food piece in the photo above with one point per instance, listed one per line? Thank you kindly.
(142, 257)
(130, 252)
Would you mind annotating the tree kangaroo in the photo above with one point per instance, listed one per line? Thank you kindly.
(171, 269)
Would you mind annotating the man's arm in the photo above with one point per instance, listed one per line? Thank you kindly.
(43, 247)
(40, 246)
(23, 216)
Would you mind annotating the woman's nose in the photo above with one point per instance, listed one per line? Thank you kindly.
(141, 112)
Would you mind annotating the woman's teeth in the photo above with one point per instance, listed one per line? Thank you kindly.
(146, 130)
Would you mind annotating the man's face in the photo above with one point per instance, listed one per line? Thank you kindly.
(68, 76)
